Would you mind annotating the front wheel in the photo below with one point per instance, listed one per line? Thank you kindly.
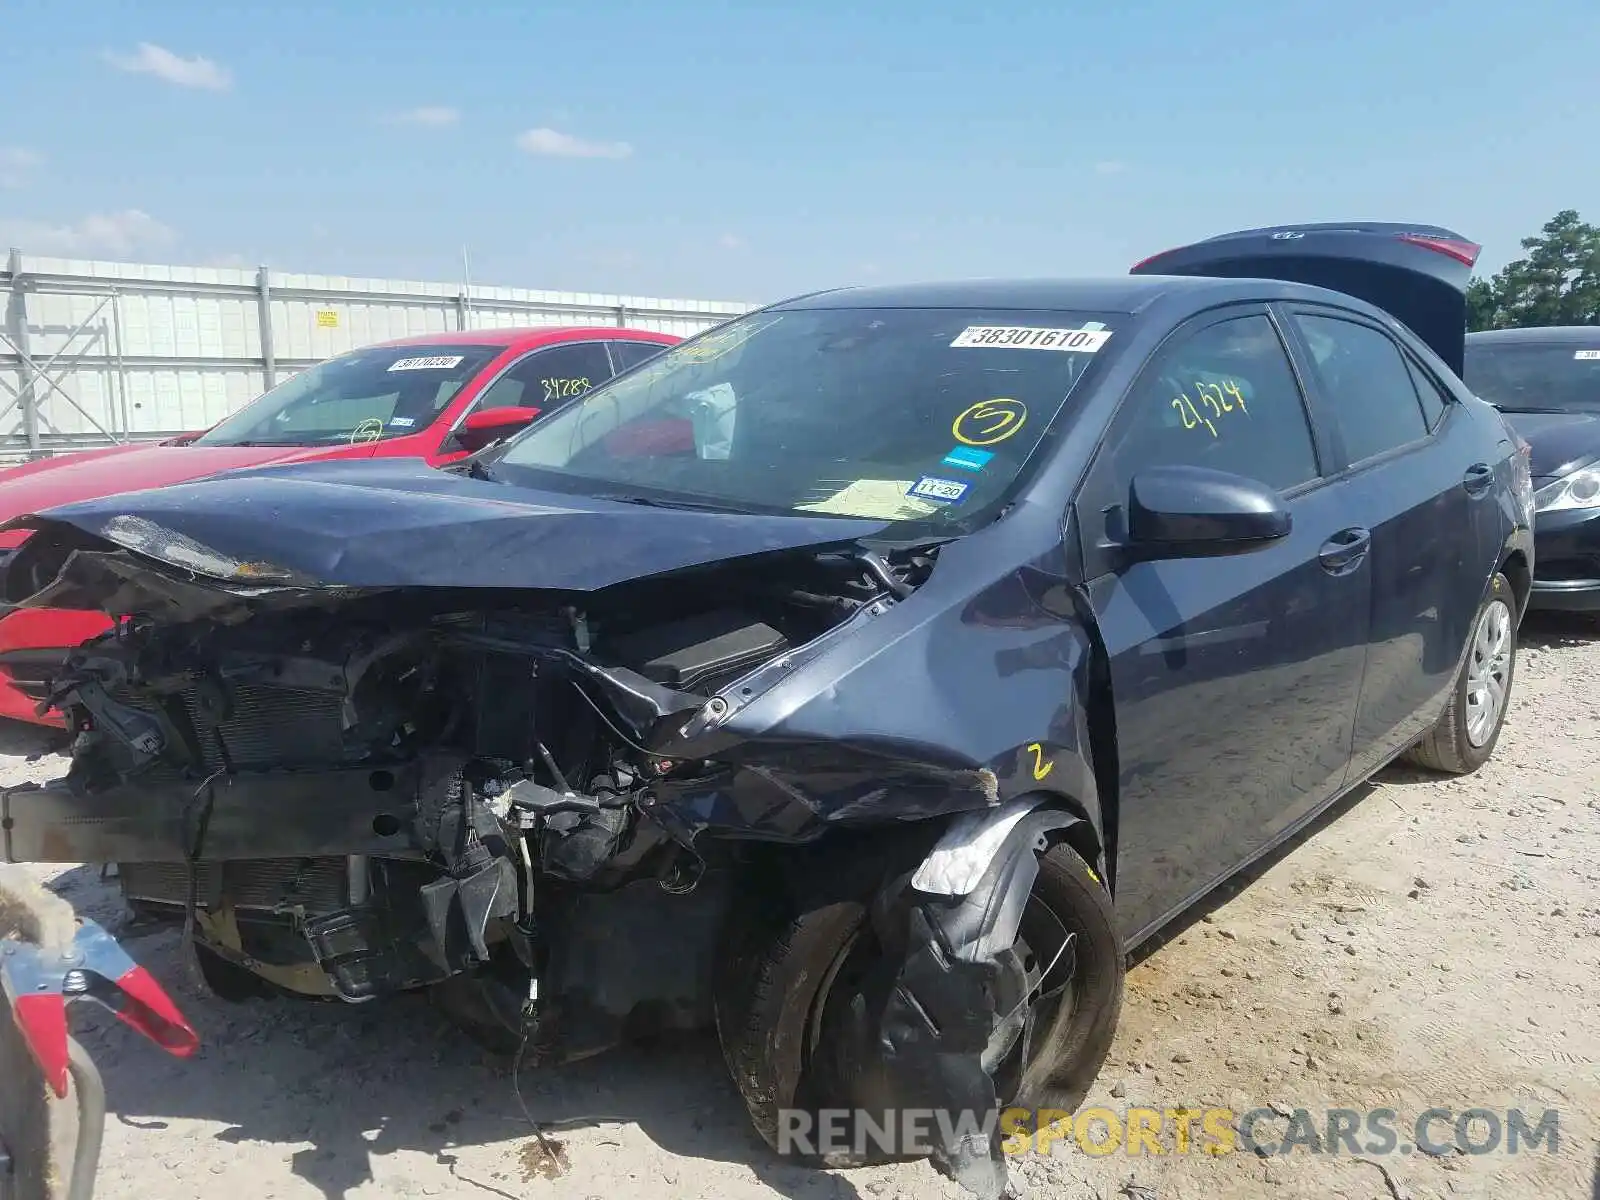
(1470, 725)
(783, 982)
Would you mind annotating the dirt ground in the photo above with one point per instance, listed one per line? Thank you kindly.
(1430, 944)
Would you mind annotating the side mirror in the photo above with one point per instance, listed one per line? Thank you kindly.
(489, 425)
(1194, 512)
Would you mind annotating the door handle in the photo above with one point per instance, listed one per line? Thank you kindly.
(1345, 550)
(1478, 479)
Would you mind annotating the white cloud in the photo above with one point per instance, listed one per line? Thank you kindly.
(429, 116)
(564, 145)
(119, 233)
(731, 241)
(1110, 166)
(156, 60)
(16, 165)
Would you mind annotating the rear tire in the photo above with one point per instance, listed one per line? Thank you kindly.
(776, 976)
(1465, 735)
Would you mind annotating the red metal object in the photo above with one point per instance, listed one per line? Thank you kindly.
(39, 982)
(46, 483)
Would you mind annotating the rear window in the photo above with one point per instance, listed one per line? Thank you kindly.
(1531, 377)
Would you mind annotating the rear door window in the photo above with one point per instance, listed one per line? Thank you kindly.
(1433, 397)
(1364, 379)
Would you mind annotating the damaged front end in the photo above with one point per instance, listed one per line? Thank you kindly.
(547, 805)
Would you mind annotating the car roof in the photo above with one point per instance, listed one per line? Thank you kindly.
(1557, 335)
(1130, 294)
(528, 334)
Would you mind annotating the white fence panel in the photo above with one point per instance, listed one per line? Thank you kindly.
(95, 352)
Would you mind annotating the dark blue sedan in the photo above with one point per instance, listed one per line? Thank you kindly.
(865, 677)
(1547, 382)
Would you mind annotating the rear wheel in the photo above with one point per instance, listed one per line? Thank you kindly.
(785, 986)
(1466, 733)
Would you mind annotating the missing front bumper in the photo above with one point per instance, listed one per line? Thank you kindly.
(245, 815)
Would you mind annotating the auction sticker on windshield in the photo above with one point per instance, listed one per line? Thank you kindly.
(436, 362)
(940, 491)
(1588, 355)
(1029, 337)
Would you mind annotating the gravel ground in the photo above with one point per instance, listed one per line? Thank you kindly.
(1431, 943)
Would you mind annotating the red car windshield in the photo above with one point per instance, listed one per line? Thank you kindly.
(367, 395)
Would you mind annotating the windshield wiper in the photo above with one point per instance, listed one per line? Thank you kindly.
(478, 470)
(652, 502)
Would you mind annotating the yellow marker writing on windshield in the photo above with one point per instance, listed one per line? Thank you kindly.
(1040, 767)
(369, 430)
(989, 421)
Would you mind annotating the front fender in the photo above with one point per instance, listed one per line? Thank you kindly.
(970, 844)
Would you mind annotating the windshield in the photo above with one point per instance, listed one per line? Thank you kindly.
(890, 414)
(1529, 377)
(364, 396)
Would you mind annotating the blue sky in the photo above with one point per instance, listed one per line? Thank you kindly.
(747, 151)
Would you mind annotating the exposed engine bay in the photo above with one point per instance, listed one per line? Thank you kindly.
(570, 814)
(386, 793)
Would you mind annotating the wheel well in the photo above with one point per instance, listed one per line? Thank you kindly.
(1515, 569)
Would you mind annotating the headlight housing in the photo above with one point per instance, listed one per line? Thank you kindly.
(146, 537)
(1581, 489)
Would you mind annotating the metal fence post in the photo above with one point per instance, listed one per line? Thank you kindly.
(17, 332)
(622, 316)
(269, 362)
(122, 367)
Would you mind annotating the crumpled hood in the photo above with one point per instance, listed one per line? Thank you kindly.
(392, 523)
(1561, 442)
(33, 487)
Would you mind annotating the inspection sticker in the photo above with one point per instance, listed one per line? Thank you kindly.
(940, 491)
(437, 362)
(1028, 337)
(967, 458)
(1588, 355)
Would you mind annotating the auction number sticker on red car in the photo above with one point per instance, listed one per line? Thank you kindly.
(1029, 337)
(436, 362)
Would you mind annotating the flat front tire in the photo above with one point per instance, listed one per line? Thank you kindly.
(777, 975)
(1465, 735)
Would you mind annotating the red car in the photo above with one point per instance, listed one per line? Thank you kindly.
(437, 397)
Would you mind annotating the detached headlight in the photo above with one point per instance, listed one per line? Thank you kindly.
(1581, 489)
(155, 541)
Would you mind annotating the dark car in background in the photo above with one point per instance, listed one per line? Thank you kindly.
(1547, 382)
(864, 677)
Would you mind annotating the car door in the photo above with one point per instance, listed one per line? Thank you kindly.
(541, 379)
(1234, 680)
(1422, 489)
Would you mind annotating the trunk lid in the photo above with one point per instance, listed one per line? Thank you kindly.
(1418, 274)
